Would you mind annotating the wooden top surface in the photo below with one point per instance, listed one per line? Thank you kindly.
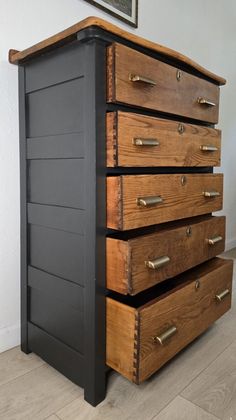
(17, 57)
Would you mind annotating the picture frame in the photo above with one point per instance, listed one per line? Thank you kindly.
(125, 10)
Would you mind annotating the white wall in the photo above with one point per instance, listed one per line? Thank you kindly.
(202, 29)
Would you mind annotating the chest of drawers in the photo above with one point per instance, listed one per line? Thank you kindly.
(118, 241)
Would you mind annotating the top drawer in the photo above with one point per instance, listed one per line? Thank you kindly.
(136, 79)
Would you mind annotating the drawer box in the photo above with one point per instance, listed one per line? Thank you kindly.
(134, 201)
(139, 262)
(144, 333)
(136, 79)
(139, 140)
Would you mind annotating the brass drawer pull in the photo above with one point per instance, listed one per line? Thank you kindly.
(162, 338)
(222, 295)
(215, 240)
(149, 201)
(208, 148)
(157, 263)
(211, 194)
(204, 101)
(146, 142)
(136, 78)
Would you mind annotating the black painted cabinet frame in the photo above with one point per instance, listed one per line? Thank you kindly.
(63, 214)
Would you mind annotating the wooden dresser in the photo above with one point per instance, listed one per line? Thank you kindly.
(117, 149)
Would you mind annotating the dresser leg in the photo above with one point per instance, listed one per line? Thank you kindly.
(95, 393)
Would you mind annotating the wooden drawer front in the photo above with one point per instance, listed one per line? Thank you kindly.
(179, 196)
(173, 91)
(141, 262)
(139, 140)
(137, 345)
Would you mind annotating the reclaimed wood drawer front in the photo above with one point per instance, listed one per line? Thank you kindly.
(136, 79)
(139, 140)
(142, 200)
(138, 263)
(143, 337)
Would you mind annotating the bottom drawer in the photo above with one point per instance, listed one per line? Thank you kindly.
(144, 332)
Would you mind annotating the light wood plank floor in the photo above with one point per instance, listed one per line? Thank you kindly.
(198, 384)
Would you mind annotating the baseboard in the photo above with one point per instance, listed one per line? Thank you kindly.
(9, 337)
(230, 244)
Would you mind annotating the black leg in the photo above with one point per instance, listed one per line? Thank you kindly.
(95, 319)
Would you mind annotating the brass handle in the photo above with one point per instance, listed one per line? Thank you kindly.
(145, 142)
(136, 78)
(157, 263)
(213, 241)
(208, 148)
(149, 201)
(211, 194)
(222, 295)
(162, 338)
(204, 101)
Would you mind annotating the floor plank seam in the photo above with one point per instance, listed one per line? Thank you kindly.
(53, 414)
(24, 374)
(164, 407)
(71, 402)
(206, 367)
(203, 409)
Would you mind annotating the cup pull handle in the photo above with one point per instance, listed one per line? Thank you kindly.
(208, 148)
(145, 142)
(204, 101)
(158, 262)
(211, 194)
(215, 240)
(149, 201)
(221, 296)
(136, 78)
(162, 338)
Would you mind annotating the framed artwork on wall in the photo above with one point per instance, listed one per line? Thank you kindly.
(125, 10)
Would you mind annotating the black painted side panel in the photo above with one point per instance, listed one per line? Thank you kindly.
(70, 293)
(57, 109)
(65, 63)
(65, 146)
(58, 182)
(57, 354)
(57, 318)
(64, 212)
(57, 252)
(62, 218)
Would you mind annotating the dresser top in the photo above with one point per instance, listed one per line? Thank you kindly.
(66, 36)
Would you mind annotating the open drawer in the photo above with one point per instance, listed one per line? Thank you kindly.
(145, 331)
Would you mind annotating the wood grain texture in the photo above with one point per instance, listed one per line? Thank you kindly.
(179, 201)
(174, 149)
(214, 389)
(126, 270)
(111, 139)
(169, 95)
(16, 57)
(118, 266)
(114, 202)
(191, 310)
(121, 338)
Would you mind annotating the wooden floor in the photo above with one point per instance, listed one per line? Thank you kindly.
(199, 384)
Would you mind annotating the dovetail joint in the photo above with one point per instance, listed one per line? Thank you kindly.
(136, 348)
